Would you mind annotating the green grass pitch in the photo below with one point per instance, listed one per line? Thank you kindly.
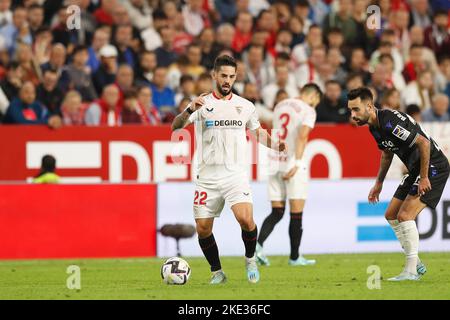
(334, 277)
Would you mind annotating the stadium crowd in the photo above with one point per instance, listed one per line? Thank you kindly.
(141, 61)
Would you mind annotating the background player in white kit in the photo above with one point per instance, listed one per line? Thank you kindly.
(221, 119)
(294, 119)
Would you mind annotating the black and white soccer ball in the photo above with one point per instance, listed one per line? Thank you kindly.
(175, 271)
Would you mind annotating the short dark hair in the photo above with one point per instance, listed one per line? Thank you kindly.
(386, 56)
(48, 164)
(415, 46)
(79, 48)
(185, 78)
(311, 87)
(440, 12)
(363, 93)
(332, 81)
(130, 94)
(224, 60)
(412, 109)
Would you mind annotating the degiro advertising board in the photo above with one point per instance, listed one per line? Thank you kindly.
(337, 219)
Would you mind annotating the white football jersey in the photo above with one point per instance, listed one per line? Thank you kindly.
(221, 140)
(288, 117)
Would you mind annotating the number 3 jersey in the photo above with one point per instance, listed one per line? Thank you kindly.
(289, 116)
(221, 139)
(398, 133)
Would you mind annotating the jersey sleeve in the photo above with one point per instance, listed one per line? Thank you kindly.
(401, 128)
(253, 122)
(310, 118)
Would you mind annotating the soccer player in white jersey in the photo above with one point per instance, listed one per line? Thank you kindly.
(294, 119)
(221, 119)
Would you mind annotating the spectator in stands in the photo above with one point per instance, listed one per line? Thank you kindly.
(443, 75)
(151, 36)
(106, 110)
(204, 83)
(48, 93)
(437, 36)
(358, 63)
(241, 74)
(165, 54)
(187, 89)
(269, 92)
(420, 13)
(4, 104)
(35, 17)
(24, 56)
(103, 15)
(123, 38)
(265, 114)
(140, 13)
(419, 92)
(394, 79)
(150, 111)
(107, 70)
(379, 81)
(26, 110)
(309, 71)
(73, 109)
(61, 34)
(354, 80)
(77, 76)
(391, 99)
(16, 31)
(47, 172)
(336, 60)
(414, 111)
(210, 48)
(42, 45)
(131, 111)
(194, 55)
(301, 10)
(332, 108)
(57, 59)
(257, 71)
(302, 52)
(13, 81)
(438, 111)
(343, 20)
(195, 18)
(243, 32)
(147, 65)
(5, 13)
(295, 25)
(415, 65)
(163, 96)
(225, 35)
(283, 42)
(100, 39)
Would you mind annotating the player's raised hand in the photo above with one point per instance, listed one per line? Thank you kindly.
(198, 102)
(374, 194)
(424, 186)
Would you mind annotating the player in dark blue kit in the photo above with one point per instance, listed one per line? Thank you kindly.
(428, 170)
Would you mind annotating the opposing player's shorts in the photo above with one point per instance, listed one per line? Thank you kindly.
(437, 175)
(294, 188)
(210, 197)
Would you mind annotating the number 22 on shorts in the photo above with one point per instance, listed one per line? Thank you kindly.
(200, 198)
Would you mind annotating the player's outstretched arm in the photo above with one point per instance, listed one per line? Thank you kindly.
(265, 139)
(181, 120)
(385, 163)
(424, 145)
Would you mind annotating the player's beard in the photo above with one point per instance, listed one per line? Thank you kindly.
(223, 91)
(362, 121)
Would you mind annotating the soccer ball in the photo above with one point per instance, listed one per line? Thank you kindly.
(175, 271)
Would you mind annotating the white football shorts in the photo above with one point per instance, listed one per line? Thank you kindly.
(294, 188)
(210, 197)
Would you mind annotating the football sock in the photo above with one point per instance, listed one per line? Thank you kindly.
(410, 236)
(295, 233)
(249, 238)
(269, 223)
(211, 252)
(395, 225)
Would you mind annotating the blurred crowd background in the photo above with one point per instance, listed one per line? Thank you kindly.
(142, 61)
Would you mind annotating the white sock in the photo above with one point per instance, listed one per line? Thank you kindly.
(410, 236)
(395, 225)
